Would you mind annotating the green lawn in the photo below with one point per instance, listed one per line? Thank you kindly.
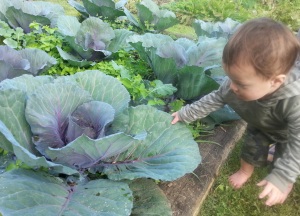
(225, 201)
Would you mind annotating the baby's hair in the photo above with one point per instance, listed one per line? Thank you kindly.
(269, 46)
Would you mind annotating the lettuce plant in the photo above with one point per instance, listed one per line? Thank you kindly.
(15, 63)
(106, 9)
(79, 125)
(151, 16)
(181, 62)
(19, 13)
(89, 41)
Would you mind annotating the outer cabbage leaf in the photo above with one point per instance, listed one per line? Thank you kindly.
(29, 158)
(17, 18)
(154, 202)
(218, 29)
(208, 29)
(146, 45)
(120, 40)
(95, 153)
(166, 19)
(169, 59)
(175, 51)
(15, 132)
(68, 25)
(73, 60)
(25, 83)
(18, 62)
(100, 8)
(149, 40)
(79, 7)
(8, 72)
(25, 192)
(48, 9)
(39, 60)
(12, 103)
(194, 82)
(168, 151)
(228, 27)
(149, 13)
(12, 57)
(102, 88)
(22, 15)
(92, 40)
(207, 52)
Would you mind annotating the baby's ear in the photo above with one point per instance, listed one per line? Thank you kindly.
(278, 80)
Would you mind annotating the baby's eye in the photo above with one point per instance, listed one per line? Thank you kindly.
(241, 85)
(244, 86)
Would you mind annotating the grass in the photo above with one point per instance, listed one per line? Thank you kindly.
(225, 201)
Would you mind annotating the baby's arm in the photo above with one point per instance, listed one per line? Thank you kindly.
(204, 106)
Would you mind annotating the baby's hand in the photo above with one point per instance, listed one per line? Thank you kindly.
(176, 118)
(275, 196)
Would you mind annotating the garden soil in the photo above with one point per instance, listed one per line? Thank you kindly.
(187, 194)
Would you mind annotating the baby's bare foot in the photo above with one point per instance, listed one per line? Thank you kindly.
(238, 179)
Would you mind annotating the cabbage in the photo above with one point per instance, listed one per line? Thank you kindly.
(80, 125)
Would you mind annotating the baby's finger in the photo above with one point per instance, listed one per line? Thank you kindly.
(273, 199)
(175, 120)
(262, 183)
(265, 192)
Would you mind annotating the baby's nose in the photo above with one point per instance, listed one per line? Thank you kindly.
(233, 87)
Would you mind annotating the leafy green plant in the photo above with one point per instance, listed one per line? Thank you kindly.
(218, 29)
(151, 17)
(144, 91)
(183, 63)
(18, 13)
(106, 9)
(15, 63)
(10, 36)
(81, 124)
(89, 41)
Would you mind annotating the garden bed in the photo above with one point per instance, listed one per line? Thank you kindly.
(187, 194)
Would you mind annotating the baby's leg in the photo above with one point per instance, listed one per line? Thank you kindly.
(254, 153)
(239, 178)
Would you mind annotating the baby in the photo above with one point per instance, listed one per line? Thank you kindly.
(264, 89)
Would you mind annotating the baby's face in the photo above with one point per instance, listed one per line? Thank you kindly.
(246, 84)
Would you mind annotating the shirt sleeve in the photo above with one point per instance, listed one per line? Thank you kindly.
(287, 167)
(207, 104)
